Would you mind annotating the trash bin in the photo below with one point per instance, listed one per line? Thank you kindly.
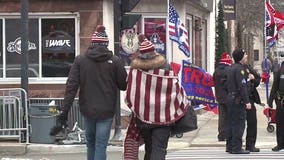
(42, 118)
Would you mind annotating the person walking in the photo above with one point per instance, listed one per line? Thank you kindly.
(99, 75)
(253, 81)
(221, 92)
(156, 100)
(237, 102)
(277, 95)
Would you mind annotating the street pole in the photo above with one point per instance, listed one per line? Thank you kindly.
(24, 52)
(117, 137)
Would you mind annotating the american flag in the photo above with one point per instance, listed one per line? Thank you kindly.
(177, 30)
(155, 97)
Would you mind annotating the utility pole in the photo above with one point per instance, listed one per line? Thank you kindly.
(24, 52)
(121, 21)
(117, 137)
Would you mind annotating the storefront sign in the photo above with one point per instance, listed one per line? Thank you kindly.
(129, 41)
(159, 45)
(229, 7)
(58, 41)
(16, 46)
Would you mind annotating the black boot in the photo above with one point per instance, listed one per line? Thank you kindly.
(276, 148)
(240, 152)
(253, 149)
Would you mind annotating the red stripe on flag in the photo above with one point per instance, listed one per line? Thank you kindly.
(176, 102)
(168, 98)
(158, 96)
(147, 97)
(128, 91)
(137, 92)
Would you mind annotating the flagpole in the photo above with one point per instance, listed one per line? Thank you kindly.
(264, 51)
(170, 58)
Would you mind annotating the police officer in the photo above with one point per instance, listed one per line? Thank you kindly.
(237, 102)
(277, 94)
(253, 79)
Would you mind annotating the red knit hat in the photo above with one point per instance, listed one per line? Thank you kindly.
(145, 45)
(225, 59)
(99, 36)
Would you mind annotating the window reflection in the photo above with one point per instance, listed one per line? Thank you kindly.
(58, 47)
(155, 31)
(13, 48)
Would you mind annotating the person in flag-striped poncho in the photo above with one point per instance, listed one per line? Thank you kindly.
(156, 100)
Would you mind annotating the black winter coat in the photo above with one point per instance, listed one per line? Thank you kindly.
(220, 78)
(99, 75)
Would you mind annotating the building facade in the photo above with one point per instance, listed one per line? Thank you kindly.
(59, 30)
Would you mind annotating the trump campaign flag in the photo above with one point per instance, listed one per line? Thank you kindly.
(197, 84)
(177, 31)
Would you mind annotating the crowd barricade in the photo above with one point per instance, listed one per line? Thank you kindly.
(14, 115)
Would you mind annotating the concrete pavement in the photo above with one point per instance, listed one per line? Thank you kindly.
(204, 136)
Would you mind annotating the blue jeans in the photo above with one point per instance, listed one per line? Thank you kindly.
(97, 135)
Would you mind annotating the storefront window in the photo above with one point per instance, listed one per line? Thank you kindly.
(155, 31)
(58, 46)
(13, 48)
(1, 50)
(51, 47)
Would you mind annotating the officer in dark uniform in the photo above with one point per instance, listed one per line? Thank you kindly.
(253, 79)
(277, 94)
(237, 102)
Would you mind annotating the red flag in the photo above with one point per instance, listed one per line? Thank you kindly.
(271, 28)
(175, 67)
(279, 19)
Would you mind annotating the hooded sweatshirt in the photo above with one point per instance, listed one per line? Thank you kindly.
(99, 75)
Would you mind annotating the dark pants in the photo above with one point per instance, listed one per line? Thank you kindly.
(156, 142)
(236, 125)
(222, 121)
(279, 124)
(251, 127)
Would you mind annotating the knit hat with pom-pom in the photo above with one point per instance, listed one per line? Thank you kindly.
(99, 36)
(145, 45)
(225, 59)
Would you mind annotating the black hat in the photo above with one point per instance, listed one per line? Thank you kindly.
(238, 55)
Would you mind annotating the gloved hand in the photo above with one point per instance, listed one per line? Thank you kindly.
(63, 117)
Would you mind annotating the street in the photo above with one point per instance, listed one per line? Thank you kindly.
(116, 155)
(212, 153)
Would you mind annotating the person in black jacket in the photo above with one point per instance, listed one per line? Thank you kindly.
(251, 133)
(237, 102)
(277, 94)
(221, 92)
(98, 75)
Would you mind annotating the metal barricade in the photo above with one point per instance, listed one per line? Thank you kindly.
(74, 113)
(13, 115)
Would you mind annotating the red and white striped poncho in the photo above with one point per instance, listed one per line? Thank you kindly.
(155, 97)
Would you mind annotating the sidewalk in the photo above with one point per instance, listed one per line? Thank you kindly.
(204, 136)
